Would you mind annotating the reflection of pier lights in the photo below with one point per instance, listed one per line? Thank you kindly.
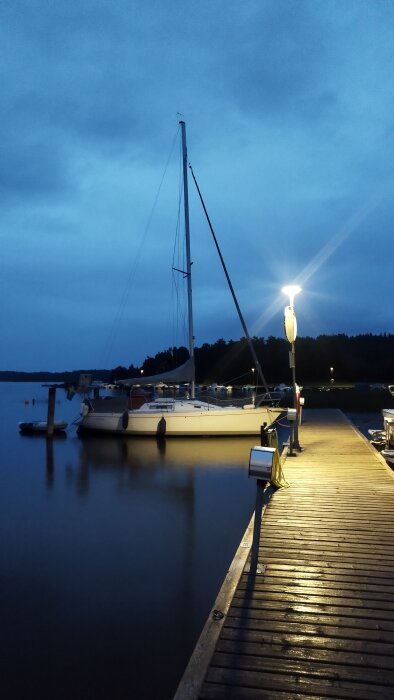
(291, 334)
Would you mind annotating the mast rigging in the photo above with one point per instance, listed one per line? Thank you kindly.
(241, 318)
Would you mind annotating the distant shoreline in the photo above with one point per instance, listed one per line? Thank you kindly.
(347, 396)
(53, 377)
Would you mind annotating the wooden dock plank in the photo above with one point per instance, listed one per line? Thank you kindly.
(376, 654)
(319, 621)
(309, 663)
(240, 683)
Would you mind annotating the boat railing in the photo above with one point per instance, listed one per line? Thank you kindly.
(262, 399)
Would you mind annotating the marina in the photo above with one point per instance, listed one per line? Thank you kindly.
(319, 619)
(115, 548)
(197, 504)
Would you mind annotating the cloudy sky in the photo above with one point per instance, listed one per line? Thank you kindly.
(289, 112)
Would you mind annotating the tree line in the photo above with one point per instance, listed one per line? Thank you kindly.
(360, 358)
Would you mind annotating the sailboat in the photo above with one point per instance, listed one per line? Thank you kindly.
(136, 415)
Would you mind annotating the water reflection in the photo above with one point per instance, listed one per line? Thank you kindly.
(113, 553)
(148, 463)
(49, 464)
(187, 453)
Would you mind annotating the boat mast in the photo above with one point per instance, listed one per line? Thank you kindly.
(188, 261)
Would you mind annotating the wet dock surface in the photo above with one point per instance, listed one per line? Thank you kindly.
(318, 622)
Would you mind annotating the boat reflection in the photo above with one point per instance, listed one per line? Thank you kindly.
(165, 465)
(149, 453)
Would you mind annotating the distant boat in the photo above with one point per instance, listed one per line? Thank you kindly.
(283, 387)
(41, 426)
(174, 416)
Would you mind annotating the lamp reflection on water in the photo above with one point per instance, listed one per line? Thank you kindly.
(148, 453)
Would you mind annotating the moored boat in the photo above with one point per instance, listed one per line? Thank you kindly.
(378, 438)
(388, 455)
(41, 426)
(176, 417)
(180, 416)
(383, 440)
(388, 414)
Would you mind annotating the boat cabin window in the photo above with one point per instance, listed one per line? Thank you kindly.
(161, 407)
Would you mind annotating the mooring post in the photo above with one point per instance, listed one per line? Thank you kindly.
(51, 410)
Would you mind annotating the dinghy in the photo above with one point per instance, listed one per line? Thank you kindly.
(41, 426)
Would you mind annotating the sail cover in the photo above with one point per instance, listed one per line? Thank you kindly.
(179, 375)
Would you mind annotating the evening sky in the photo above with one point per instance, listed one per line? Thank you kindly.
(288, 106)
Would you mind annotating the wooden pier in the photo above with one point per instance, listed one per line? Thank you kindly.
(318, 622)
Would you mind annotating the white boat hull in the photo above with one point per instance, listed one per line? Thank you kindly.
(233, 421)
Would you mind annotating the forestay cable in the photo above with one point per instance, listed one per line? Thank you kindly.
(241, 318)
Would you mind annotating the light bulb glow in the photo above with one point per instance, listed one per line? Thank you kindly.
(291, 290)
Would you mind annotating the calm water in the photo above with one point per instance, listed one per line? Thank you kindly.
(112, 553)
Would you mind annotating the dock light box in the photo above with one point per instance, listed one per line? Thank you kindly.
(260, 462)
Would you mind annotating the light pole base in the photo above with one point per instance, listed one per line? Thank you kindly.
(298, 447)
(290, 445)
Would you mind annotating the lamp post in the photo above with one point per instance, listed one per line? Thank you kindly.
(253, 387)
(332, 375)
(291, 334)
